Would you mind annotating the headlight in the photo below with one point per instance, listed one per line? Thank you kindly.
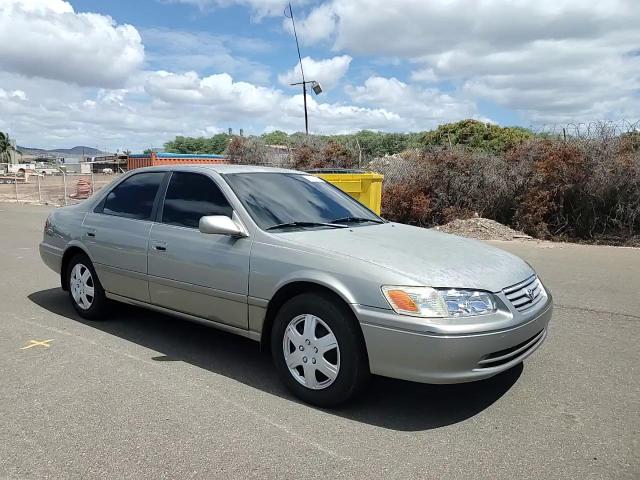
(439, 303)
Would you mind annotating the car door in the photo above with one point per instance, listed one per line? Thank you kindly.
(192, 272)
(116, 233)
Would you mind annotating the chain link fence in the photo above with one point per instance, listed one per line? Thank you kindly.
(51, 189)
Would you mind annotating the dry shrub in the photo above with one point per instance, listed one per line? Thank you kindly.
(407, 203)
(332, 154)
(304, 156)
(579, 189)
(457, 183)
(585, 189)
(246, 151)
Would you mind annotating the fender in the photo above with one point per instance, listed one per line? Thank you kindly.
(321, 278)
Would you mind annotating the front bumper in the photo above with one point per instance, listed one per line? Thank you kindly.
(429, 357)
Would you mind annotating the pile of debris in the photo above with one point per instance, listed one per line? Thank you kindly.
(83, 190)
(482, 229)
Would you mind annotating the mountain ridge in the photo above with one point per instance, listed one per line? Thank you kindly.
(78, 150)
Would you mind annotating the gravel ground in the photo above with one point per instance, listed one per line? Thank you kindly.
(50, 189)
(482, 229)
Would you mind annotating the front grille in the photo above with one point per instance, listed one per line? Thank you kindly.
(525, 295)
(501, 357)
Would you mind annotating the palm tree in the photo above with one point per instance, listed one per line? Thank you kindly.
(5, 147)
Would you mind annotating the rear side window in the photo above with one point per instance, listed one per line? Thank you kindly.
(134, 197)
(191, 196)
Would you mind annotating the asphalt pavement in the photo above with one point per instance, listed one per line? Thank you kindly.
(144, 395)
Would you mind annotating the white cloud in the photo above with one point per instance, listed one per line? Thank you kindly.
(549, 59)
(109, 119)
(15, 95)
(259, 8)
(426, 75)
(334, 118)
(162, 106)
(318, 25)
(186, 50)
(46, 38)
(327, 72)
(79, 78)
(420, 108)
(241, 101)
(230, 98)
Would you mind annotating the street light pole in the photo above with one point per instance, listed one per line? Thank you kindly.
(304, 98)
(314, 85)
(304, 83)
(304, 95)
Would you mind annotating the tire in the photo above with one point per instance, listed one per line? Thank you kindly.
(85, 292)
(325, 371)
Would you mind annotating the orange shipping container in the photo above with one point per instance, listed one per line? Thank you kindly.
(153, 159)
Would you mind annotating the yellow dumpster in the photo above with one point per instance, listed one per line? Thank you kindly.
(366, 187)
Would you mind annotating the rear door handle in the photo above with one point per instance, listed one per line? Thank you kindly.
(91, 233)
(160, 246)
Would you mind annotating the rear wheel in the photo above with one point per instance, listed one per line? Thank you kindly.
(318, 350)
(85, 291)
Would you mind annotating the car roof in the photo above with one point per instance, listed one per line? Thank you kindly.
(221, 168)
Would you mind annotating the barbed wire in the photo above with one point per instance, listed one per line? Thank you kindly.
(587, 130)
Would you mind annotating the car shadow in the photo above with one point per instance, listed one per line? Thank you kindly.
(388, 403)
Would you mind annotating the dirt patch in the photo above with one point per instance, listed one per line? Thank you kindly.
(482, 229)
(50, 189)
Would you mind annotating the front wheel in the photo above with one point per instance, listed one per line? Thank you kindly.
(85, 291)
(318, 350)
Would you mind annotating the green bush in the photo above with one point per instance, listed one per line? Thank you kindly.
(476, 135)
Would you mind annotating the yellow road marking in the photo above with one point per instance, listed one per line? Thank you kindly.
(42, 343)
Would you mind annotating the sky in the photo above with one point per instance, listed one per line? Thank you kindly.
(125, 74)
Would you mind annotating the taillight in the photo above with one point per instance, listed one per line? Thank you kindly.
(47, 225)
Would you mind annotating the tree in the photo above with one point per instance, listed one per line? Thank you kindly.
(216, 144)
(277, 137)
(5, 147)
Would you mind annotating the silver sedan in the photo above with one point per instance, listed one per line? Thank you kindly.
(335, 292)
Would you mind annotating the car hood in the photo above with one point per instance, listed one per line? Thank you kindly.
(425, 256)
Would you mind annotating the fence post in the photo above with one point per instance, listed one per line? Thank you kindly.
(64, 180)
(15, 182)
(91, 179)
(39, 191)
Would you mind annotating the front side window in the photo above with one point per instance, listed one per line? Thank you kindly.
(278, 199)
(134, 197)
(191, 196)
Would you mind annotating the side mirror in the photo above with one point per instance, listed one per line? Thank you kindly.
(220, 225)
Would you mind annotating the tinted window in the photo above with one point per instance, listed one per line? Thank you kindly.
(276, 198)
(191, 196)
(134, 197)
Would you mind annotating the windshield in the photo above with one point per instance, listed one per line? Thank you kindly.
(296, 201)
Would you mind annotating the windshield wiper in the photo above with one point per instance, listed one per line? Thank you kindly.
(357, 220)
(305, 224)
